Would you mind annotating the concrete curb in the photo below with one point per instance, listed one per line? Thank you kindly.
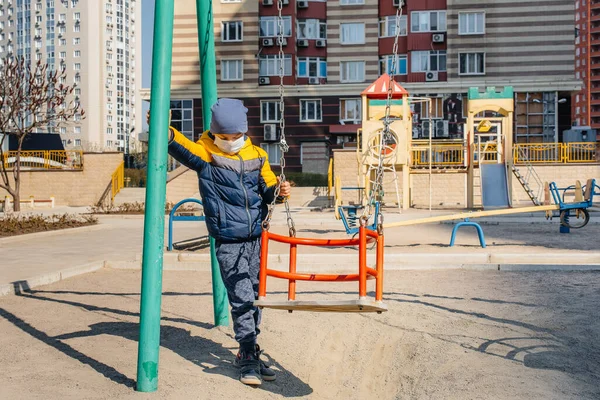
(337, 264)
(205, 266)
(48, 278)
(329, 263)
(56, 232)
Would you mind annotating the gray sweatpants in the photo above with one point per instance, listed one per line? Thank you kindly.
(240, 263)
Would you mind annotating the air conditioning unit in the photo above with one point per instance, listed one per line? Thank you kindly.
(437, 38)
(321, 43)
(431, 76)
(425, 130)
(282, 41)
(267, 2)
(398, 3)
(441, 128)
(263, 80)
(313, 81)
(302, 3)
(270, 132)
(267, 42)
(302, 43)
(285, 2)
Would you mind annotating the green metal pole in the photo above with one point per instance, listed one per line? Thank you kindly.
(154, 219)
(208, 76)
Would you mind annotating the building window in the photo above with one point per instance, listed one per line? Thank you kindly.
(352, 71)
(77, 142)
(269, 111)
(350, 110)
(471, 63)
(471, 23)
(273, 152)
(77, 53)
(182, 117)
(109, 143)
(310, 111)
(232, 31)
(269, 65)
(311, 29)
(63, 130)
(76, 41)
(385, 64)
(423, 61)
(387, 26)
(77, 130)
(428, 21)
(312, 67)
(351, 2)
(352, 33)
(232, 70)
(269, 26)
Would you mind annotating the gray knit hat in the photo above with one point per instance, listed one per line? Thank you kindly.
(229, 117)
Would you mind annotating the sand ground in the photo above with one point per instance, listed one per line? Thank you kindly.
(447, 335)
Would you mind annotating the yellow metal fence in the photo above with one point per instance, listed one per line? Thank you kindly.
(45, 159)
(442, 155)
(118, 181)
(555, 153)
(447, 155)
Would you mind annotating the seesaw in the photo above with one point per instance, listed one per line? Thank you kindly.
(565, 209)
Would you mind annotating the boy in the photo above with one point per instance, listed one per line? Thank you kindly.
(236, 184)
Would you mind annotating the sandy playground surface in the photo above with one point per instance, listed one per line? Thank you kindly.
(447, 335)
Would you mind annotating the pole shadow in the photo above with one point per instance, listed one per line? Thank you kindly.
(213, 357)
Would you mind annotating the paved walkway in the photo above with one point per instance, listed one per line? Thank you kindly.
(118, 239)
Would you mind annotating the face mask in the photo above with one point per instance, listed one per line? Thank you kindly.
(230, 147)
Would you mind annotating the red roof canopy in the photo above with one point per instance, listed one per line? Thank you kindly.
(379, 89)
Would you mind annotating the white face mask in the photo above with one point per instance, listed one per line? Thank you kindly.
(230, 147)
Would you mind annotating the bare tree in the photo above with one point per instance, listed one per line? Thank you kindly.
(32, 98)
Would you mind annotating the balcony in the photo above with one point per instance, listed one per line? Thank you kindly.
(595, 78)
(595, 102)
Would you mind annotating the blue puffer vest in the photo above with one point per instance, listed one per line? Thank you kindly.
(235, 189)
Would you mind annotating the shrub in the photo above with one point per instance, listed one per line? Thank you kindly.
(304, 179)
(138, 208)
(137, 177)
(15, 224)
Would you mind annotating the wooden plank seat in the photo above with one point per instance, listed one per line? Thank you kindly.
(343, 306)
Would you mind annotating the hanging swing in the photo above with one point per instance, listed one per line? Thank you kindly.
(365, 235)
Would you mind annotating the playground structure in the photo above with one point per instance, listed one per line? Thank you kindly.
(483, 169)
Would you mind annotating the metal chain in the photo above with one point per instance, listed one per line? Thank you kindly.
(283, 146)
(385, 135)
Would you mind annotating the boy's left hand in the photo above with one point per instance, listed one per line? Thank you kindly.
(285, 188)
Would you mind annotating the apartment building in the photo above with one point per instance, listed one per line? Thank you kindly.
(586, 103)
(334, 49)
(97, 44)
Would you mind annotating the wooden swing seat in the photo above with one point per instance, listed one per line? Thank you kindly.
(361, 304)
(343, 306)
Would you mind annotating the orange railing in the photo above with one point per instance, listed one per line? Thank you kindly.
(364, 272)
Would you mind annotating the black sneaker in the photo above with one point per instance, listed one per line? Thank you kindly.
(265, 372)
(249, 368)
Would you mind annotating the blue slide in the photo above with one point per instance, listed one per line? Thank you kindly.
(494, 186)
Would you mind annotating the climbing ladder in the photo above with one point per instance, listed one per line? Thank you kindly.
(530, 177)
